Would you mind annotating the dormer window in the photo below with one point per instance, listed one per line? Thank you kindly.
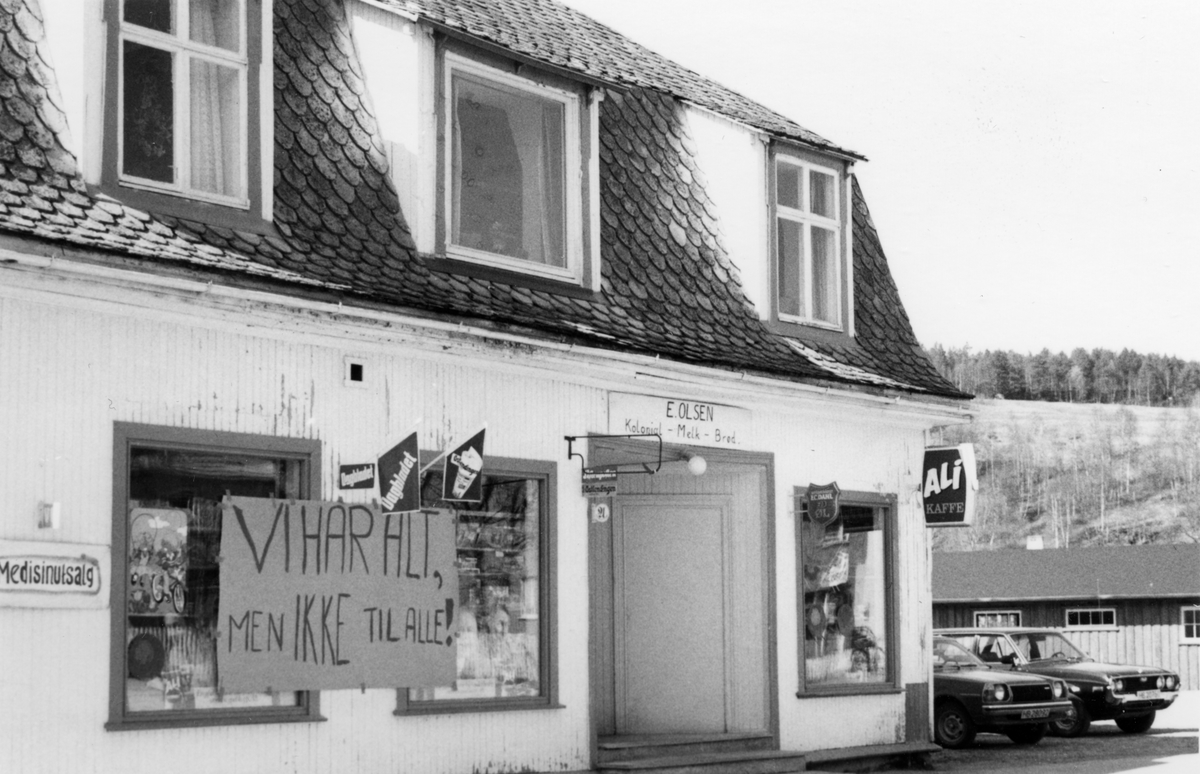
(808, 243)
(183, 117)
(513, 180)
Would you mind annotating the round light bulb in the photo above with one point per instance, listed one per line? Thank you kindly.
(697, 465)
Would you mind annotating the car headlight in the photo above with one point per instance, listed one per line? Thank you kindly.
(1162, 682)
(1058, 689)
(993, 692)
(1118, 686)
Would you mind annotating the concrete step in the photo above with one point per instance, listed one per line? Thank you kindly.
(627, 747)
(742, 762)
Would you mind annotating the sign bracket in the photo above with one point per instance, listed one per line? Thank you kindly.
(644, 466)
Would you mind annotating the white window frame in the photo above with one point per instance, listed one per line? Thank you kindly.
(1184, 623)
(182, 50)
(808, 220)
(976, 613)
(572, 172)
(1112, 611)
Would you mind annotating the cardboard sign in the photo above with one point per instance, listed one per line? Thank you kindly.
(461, 479)
(948, 484)
(356, 476)
(823, 503)
(324, 595)
(400, 477)
(599, 482)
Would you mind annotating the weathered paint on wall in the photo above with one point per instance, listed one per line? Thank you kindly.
(1149, 632)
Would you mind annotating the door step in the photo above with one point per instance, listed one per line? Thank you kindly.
(743, 762)
(738, 753)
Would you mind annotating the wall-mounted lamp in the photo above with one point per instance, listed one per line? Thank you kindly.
(696, 464)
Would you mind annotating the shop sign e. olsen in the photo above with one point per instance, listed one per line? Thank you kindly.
(679, 420)
(948, 485)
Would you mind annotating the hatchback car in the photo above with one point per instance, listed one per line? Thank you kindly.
(970, 696)
(1130, 695)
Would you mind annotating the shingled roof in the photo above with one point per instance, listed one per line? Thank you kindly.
(1107, 572)
(668, 285)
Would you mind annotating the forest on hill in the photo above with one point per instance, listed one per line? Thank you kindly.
(1072, 474)
(1084, 376)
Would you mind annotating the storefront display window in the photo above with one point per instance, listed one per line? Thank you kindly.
(846, 595)
(169, 486)
(503, 567)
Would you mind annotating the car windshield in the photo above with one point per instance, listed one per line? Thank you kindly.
(949, 654)
(1048, 646)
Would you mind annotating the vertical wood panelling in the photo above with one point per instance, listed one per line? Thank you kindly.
(67, 375)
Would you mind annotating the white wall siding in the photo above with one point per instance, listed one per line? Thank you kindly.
(69, 374)
(733, 158)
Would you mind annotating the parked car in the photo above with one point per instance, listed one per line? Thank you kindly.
(970, 696)
(1130, 695)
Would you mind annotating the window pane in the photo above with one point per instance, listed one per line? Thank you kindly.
(216, 136)
(791, 267)
(216, 23)
(499, 645)
(148, 113)
(172, 592)
(821, 200)
(156, 15)
(824, 275)
(508, 183)
(787, 185)
(845, 598)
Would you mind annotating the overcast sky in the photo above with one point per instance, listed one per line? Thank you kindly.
(1034, 167)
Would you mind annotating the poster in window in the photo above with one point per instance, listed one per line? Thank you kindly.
(157, 561)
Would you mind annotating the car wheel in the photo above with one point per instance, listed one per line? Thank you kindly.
(1075, 723)
(1136, 724)
(1031, 734)
(952, 726)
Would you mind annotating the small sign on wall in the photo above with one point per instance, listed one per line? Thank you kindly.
(53, 575)
(948, 484)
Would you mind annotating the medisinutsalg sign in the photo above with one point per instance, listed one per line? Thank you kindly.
(948, 485)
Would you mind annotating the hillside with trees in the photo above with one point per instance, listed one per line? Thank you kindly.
(1092, 448)
(1095, 376)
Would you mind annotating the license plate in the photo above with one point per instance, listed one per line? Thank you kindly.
(1149, 695)
(1035, 713)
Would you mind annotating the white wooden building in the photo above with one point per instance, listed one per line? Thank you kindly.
(355, 220)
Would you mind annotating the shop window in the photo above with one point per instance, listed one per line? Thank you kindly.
(168, 487)
(847, 595)
(1190, 618)
(1091, 618)
(506, 580)
(809, 270)
(182, 121)
(511, 160)
(995, 619)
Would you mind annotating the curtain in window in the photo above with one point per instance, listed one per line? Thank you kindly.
(216, 147)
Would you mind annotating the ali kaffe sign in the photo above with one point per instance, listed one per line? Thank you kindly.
(948, 485)
(325, 595)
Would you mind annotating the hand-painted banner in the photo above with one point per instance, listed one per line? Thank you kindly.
(322, 595)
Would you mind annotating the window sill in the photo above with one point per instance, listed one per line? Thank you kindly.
(810, 332)
(177, 206)
(513, 277)
(465, 706)
(199, 721)
(850, 690)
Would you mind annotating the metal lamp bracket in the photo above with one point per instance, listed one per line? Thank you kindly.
(644, 467)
